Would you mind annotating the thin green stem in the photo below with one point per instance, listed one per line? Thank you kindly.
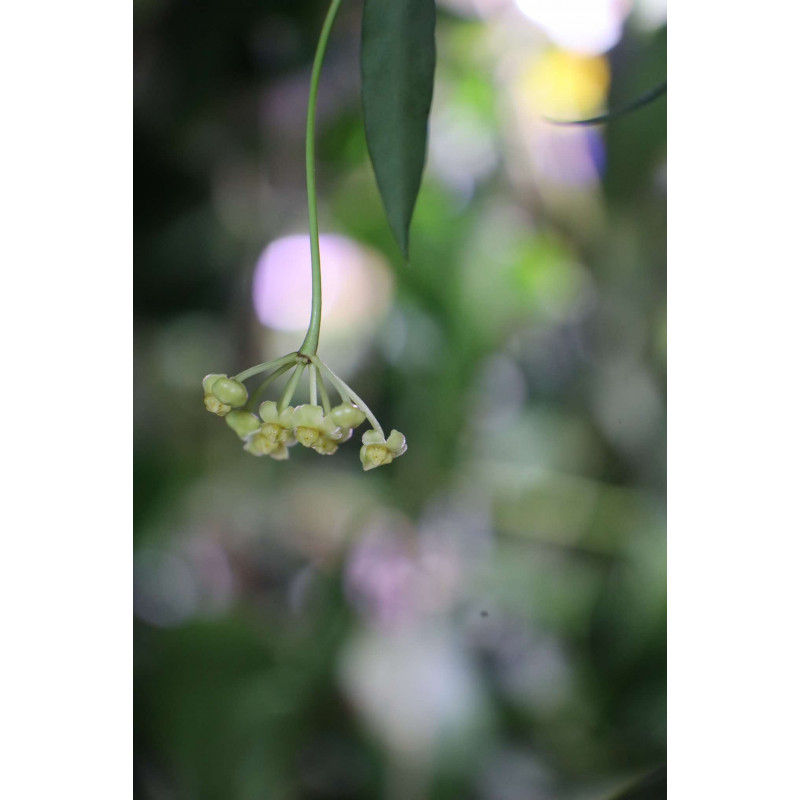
(289, 391)
(326, 401)
(311, 342)
(347, 393)
(312, 386)
(258, 368)
(253, 401)
(342, 392)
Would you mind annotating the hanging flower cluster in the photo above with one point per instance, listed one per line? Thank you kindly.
(271, 428)
(277, 426)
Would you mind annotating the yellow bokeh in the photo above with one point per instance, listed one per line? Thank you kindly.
(565, 85)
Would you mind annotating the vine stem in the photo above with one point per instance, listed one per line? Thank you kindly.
(311, 342)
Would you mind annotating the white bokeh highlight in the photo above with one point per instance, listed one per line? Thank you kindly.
(356, 284)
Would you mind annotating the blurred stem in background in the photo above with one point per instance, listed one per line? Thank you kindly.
(311, 342)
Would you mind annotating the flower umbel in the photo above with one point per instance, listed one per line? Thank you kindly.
(280, 426)
(321, 428)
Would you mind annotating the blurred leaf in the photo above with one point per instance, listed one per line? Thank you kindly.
(642, 100)
(651, 787)
(637, 145)
(398, 57)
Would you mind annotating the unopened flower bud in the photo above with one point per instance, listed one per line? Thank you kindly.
(347, 416)
(243, 422)
(229, 391)
(212, 402)
(210, 380)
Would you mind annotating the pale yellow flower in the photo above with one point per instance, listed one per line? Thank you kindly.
(260, 445)
(311, 426)
(326, 446)
(277, 426)
(377, 451)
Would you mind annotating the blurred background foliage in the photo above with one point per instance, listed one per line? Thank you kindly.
(486, 617)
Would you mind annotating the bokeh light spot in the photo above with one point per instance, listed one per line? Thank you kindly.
(587, 26)
(356, 281)
(565, 85)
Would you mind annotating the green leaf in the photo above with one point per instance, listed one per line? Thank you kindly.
(398, 56)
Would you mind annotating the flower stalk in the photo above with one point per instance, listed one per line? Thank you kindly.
(311, 342)
(279, 426)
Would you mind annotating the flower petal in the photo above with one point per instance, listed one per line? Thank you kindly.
(396, 443)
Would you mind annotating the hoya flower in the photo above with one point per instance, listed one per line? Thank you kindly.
(377, 451)
(278, 425)
(222, 393)
(346, 417)
(312, 427)
(326, 446)
(243, 422)
(273, 437)
(211, 401)
(260, 445)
